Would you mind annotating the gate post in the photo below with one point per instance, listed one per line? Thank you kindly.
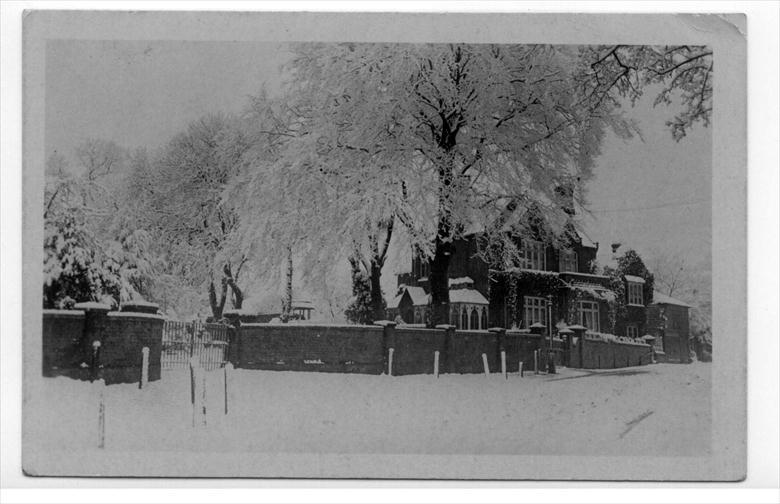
(388, 342)
(447, 362)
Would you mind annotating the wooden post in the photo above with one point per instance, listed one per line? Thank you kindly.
(193, 387)
(101, 413)
(485, 364)
(521, 368)
(228, 373)
(503, 363)
(436, 363)
(536, 361)
(390, 361)
(144, 367)
(203, 396)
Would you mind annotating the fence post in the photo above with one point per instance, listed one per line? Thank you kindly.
(228, 372)
(390, 361)
(101, 433)
(436, 363)
(144, 367)
(485, 364)
(500, 334)
(521, 368)
(193, 389)
(579, 333)
(536, 361)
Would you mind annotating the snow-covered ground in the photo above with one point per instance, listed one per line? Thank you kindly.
(662, 409)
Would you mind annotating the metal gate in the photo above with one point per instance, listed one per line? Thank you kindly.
(183, 340)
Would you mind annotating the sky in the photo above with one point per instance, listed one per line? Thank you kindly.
(648, 193)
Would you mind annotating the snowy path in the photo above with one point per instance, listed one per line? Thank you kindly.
(662, 409)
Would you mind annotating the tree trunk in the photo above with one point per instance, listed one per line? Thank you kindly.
(218, 305)
(440, 264)
(238, 295)
(377, 303)
(288, 292)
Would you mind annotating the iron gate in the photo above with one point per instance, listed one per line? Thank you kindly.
(183, 340)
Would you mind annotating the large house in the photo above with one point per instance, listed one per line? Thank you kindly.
(552, 286)
(668, 321)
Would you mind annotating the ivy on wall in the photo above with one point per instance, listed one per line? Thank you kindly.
(621, 314)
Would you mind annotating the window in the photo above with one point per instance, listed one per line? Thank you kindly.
(532, 256)
(464, 319)
(474, 319)
(417, 316)
(589, 315)
(568, 261)
(635, 294)
(632, 331)
(535, 310)
(484, 324)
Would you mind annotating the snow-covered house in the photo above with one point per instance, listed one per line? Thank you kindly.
(669, 323)
(410, 304)
(554, 286)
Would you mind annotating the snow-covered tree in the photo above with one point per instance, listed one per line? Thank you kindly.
(186, 208)
(445, 138)
(90, 253)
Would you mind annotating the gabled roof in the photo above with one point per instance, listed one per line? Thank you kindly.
(659, 298)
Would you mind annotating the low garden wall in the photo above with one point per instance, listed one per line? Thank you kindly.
(593, 352)
(94, 343)
(298, 347)
(367, 349)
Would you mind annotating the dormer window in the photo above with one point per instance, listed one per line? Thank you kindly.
(532, 256)
(568, 261)
(635, 288)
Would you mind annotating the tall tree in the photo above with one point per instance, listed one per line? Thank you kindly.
(446, 138)
(189, 211)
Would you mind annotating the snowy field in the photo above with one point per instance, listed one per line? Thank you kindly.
(662, 409)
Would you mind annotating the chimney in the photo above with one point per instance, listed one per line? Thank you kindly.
(615, 247)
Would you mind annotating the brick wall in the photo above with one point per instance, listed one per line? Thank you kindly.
(345, 349)
(68, 337)
(63, 350)
(124, 337)
(414, 349)
(592, 353)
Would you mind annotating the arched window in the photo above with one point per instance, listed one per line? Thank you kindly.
(464, 319)
(484, 324)
(474, 319)
(417, 316)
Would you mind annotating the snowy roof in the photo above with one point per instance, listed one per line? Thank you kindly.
(636, 279)
(393, 303)
(595, 290)
(470, 296)
(460, 280)
(418, 295)
(659, 298)
(586, 241)
(302, 303)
